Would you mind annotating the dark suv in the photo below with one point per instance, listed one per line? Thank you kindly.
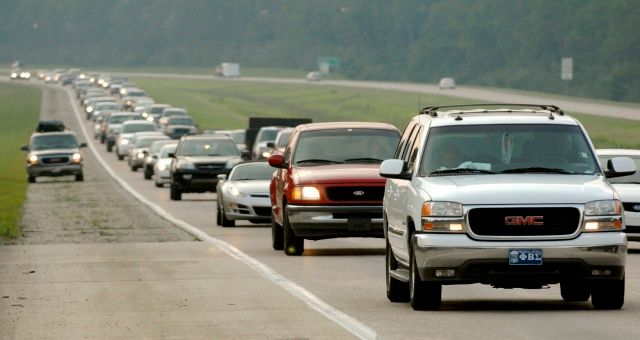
(198, 161)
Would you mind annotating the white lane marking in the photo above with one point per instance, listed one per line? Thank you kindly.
(349, 323)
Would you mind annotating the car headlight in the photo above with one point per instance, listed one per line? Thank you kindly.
(234, 191)
(442, 217)
(140, 155)
(124, 141)
(89, 109)
(162, 167)
(76, 157)
(14, 75)
(306, 193)
(266, 154)
(605, 215)
(185, 165)
(33, 159)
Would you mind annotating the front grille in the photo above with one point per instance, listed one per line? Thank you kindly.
(355, 193)
(629, 206)
(210, 166)
(492, 221)
(632, 229)
(262, 211)
(55, 160)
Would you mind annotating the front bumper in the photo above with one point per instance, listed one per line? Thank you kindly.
(247, 208)
(487, 261)
(54, 170)
(196, 181)
(321, 222)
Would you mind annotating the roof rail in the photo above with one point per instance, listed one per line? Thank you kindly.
(433, 110)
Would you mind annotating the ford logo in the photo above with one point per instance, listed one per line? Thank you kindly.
(358, 193)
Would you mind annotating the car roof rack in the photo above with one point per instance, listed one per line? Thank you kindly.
(433, 110)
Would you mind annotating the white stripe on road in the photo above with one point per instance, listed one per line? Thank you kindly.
(349, 323)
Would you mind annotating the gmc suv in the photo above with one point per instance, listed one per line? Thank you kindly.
(507, 195)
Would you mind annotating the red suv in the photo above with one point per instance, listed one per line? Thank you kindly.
(327, 183)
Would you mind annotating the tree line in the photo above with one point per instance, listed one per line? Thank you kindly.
(502, 43)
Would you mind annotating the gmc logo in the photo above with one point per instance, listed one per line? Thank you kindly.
(523, 220)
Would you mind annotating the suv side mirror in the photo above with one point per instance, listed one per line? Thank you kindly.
(277, 161)
(222, 177)
(24, 148)
(394, 168)
(172, 154)
(620, 166)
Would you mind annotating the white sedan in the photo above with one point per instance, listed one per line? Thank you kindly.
(244, 194)
(628, 187)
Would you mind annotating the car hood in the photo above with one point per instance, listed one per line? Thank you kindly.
(517, 189)
(252, 186)
(54, 152)
(628, 192)
(338, 173)
(210, 159)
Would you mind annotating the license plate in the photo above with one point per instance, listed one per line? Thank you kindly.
(359, 224)
(56, 170)
(525, 257)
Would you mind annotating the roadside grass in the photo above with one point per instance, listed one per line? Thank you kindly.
(228, 104)
(19, 112)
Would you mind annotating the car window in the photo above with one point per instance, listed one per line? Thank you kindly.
(46, 142)
(283, 139)
(167, 149)
(413, 148)
(180, 121)
(346, 145)
(266, 135)
(219, 147)
(404, 140)
(251, 171)
(138, 128)
(157, 145)
(144, 142)
(509, 148)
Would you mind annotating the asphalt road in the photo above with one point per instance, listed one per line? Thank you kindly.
(233, 285)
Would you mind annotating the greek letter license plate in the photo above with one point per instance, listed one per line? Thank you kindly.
(525, 257)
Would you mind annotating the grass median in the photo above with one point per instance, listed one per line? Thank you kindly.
(228, 104)
(19, 112)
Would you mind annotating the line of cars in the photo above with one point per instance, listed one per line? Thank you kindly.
(512, 196)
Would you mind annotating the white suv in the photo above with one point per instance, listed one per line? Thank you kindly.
(506, 195)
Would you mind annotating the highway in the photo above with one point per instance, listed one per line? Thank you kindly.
(235, 286)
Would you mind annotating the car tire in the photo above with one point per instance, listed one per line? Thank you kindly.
(575, 291)
(218, 215)
(147, 174)
(397, 291)
(109, 147)
(277, 235)
(79, 177)
(175, 194)
(134, 168)
(293, 245)
(608, 294)
(423, 295)
(31, 179)
(226, 223)
(159, 185)
(120, 158)
(101, 140)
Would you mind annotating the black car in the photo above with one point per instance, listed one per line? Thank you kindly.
(198, 161)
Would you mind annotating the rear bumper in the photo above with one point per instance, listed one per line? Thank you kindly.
(487, 261)
(320, 222)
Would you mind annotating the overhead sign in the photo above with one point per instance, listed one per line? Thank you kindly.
(566, 72)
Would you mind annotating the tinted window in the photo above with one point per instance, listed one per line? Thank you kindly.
(346, 145)
(251, 171)
(500, 148)
(46, 142)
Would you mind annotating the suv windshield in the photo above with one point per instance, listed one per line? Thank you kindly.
(122, 119)
(180, 121)
(522, 148)
(251, 171)
(345, 146)
(213, 147)
(46, 142)
(138, 128)
(631, 179)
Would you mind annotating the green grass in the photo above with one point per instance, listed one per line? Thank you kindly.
(19, 112)
(225, 105)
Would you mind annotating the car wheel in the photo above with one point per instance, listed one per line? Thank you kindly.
(147, 174)
(575, 291)
(226, 223)
(118, 154)
(101, 140)
(293, 245)
(397, 291)
(79, 177)
(159, 185)
(31, 179)
(174, 193)
(218, 215)
(422, 295)
(277, 235)
(608, 294)
(109, 147)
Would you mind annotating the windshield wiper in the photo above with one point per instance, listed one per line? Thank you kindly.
(318, 160)
(363, 160)
(461, 171)
(536, 169)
